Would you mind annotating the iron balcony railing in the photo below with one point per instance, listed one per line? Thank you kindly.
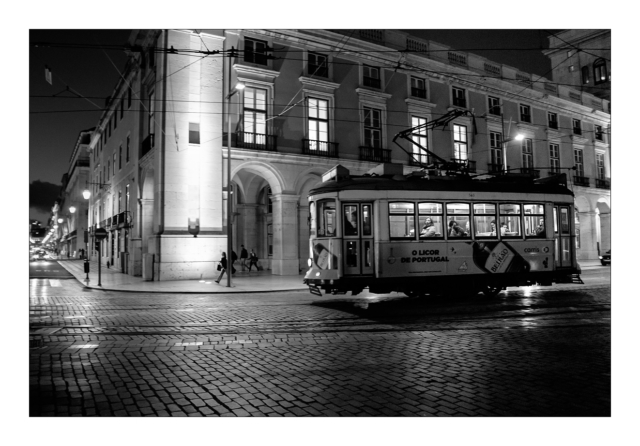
(377, 155)
(530, 171)
(320, 148)
(603, 183)
(495, 169)
(466, 165)
(581, 181)
(577, 131)
(370, 82)
(147, 145)
(256, 141)
(553, 125)
(419, 93)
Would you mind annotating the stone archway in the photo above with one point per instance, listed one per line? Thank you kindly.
(142, 244)
(603, 225)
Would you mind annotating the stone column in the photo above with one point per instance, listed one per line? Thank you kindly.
(248, 229)
(605, 231)
(588, 236)
(285, 260)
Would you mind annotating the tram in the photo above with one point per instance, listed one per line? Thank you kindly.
(427, 232)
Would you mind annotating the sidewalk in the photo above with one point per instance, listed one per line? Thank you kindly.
(242, 281)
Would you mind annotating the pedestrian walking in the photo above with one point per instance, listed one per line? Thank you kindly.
(243, 257)
(222, 267)
(253, 260)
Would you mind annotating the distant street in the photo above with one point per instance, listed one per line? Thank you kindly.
(47, 269)
(528, 352)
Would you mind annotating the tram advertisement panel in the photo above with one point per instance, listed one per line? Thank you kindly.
(463, 258)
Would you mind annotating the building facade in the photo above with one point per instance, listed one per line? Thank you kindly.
(311, 99)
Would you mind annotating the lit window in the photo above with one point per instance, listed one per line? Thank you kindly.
(401, 220)
(600, 71)
(458, 220)
(318, 124)
(460, 147)
(419, 137)
(430, 220)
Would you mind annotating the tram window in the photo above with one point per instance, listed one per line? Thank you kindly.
(366, 219)
(534, 221)
(312, 218)
(351, 220)
(564, 220)
(458, 220)
(401, 220)
(484, 220)
(326, 218)
(510, 220)
(430, 220)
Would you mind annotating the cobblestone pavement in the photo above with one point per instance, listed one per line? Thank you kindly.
(542, 353)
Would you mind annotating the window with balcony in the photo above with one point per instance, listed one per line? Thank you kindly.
(419, 136)
(554, 158)
(371, 76)
(600, 172)
(527, 154)
(552, 119)
(599, 134)
(255, 51)
(458, 96)
(460, 143)
(494, 106)
(418, 88)
(318, 110)
(372, 128)
(255, 116)
(578, 162)
(577, 127)
(600, 71)
(495, 152)
(318, 65)
(525, 113)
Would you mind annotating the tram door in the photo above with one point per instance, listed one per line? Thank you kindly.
(562, 236)
(357, 228)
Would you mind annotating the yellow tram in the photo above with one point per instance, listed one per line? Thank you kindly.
(430, 233)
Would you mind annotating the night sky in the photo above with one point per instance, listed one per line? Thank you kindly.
(55, 122)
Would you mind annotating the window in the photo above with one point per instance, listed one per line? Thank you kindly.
(418, 88)
(255, 115)
(495, 147)
(326, 218)
(120, 158)
(151, 120)
(599, 133)
(108, 169)
(194, 133)
(129, 97)
(527, 153)
(552, 119)
(372, 128)
(318, 124)
(577, 127)
(401, 220)
(115, 117)
(484, 220)
(460, 148)
(419, 136)
(255, 51)
(128, 145)
(578, 162)
(350, 220)
(126, 198)
(430, 220)
(554, 158)
(119, 201)
(600, 71)
(109, 129)
(318, 65)
(600, 172)
(494, 106)
(370, 76)
(534, 221)
(122, 108)
(459, 98)
(510, 220)
(525, 113)
(458, 220)
(586, 78)
(114, 162)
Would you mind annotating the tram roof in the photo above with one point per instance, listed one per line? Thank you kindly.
(550, 185)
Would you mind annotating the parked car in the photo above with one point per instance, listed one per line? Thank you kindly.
(605, 259)
(39, 255)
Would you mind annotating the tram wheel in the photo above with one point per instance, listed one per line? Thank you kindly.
(491, 291)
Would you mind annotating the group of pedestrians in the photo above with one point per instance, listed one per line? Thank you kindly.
(244, 256)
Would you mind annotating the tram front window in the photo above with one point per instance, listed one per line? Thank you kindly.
(401, 220)
(326, 218)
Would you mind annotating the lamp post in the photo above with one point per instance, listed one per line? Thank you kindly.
(239, 86)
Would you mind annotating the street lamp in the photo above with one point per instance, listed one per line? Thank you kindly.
(239, 86)
(86, 193)
(518, 137)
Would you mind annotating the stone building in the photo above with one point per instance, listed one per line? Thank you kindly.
(311, 99)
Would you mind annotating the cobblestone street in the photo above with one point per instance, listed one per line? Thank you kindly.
(293, 354)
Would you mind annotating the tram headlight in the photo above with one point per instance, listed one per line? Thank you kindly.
(310, 261)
